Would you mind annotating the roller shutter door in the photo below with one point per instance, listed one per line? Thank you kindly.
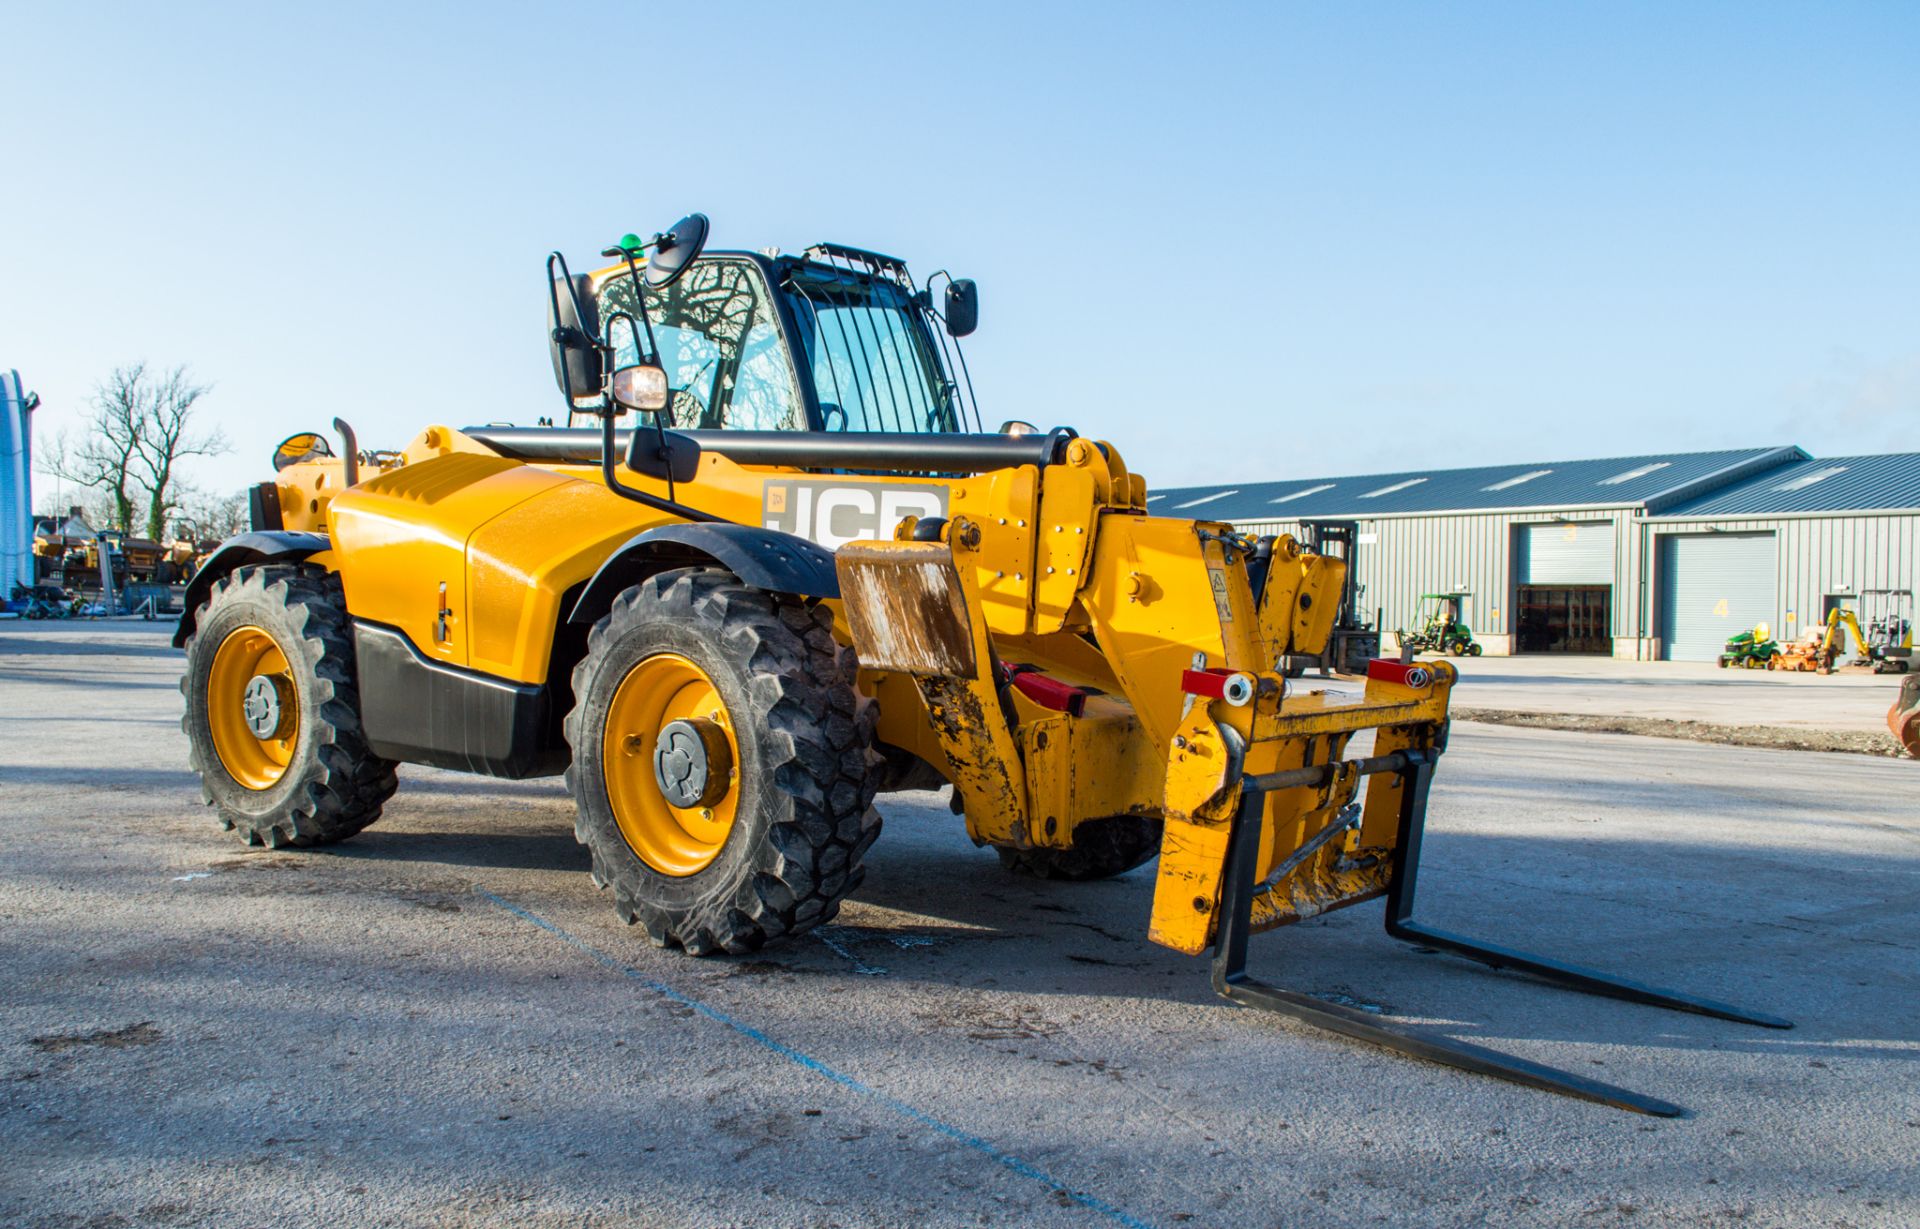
(1559, 554)
(1713, 585)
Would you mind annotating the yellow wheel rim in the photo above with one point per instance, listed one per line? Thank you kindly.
(658, 691)
(247, 666)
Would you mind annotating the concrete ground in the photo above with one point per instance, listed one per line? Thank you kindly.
(441, 1023)
(1679, 690)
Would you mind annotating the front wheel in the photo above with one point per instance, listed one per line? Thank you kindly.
(723, 767)
(273, 714)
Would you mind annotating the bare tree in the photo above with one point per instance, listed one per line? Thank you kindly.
(129, 449)
(202, 514)
(165, 436)
(103, 456)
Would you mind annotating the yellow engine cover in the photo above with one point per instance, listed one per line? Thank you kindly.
(471, 555)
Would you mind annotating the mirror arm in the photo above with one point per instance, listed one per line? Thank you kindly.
(640, 304)
(946, 338)
(660, 428)
(653, 354)
(608, 472)
(666, 451)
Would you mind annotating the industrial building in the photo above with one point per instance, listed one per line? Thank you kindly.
(1651, 557)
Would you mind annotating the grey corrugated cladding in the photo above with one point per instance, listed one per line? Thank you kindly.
(1887, 483)
(1655, 481)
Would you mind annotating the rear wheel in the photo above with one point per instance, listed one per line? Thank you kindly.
(273, 715)
(1102, 848)
(723, 767)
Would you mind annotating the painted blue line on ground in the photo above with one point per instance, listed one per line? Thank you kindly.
(975, 1142)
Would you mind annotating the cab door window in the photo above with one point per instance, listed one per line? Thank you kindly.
(719, 343)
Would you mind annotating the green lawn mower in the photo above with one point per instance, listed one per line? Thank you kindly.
(1441, 629)
(1753, 649)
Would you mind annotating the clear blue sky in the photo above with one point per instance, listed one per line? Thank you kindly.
(1240, 242)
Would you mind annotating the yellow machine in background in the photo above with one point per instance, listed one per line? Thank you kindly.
(1886, 647)
(805, 578)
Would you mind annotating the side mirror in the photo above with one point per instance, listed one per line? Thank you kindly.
(668, 455)
(675, 249)
(305, 446)
(576, 361)
(640, 388)
(963, 307)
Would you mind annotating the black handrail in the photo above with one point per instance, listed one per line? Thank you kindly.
(904, 451)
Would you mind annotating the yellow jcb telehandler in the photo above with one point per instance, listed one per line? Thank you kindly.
(808, 576)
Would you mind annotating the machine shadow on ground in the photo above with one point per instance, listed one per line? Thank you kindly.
(1667, 912)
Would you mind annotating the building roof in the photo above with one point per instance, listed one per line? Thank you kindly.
(1889, 482)
(1655, 482)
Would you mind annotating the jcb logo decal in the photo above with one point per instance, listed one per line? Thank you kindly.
(834, 513)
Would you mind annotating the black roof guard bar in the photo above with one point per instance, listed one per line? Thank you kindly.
(878, 261)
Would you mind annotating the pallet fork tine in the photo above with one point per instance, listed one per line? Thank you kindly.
(1232, 982)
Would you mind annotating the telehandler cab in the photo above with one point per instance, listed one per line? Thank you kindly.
(805, 577)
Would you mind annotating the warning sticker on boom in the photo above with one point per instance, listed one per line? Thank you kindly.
(1217, 578)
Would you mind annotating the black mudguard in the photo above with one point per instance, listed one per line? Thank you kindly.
(427, 712)
(239, 551)
(764, 558)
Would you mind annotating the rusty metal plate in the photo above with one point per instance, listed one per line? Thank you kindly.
(1904, 717)
(906, 609)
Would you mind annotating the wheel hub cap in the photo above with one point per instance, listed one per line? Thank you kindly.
(262, 706)
(689, 762)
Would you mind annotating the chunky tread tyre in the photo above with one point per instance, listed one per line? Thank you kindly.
(334, 785)
(808, 771)
(1102, 848)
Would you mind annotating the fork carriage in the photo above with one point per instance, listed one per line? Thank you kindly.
(1265, 820)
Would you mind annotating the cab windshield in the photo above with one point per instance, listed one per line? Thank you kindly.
(868, 353)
